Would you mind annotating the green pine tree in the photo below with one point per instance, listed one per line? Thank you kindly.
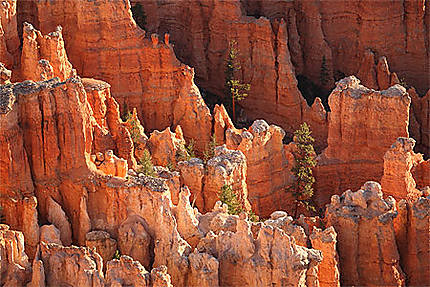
(146, 167)
(235, 89)
(302, 189)
(229, 197)
(209, 152)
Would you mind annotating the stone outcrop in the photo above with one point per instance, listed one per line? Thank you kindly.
(15, 268)
(144, 73)
(374, 75)
(268, 253)
(187, 220)
(59, 219)
(420, 121)
(281, 220)
(5, 74)
(421, 172)
(70, 265)
(204, 270)
(412, 225)
(328, 270)
(274, 94)
(269, 163)
(50, 234)
(363, 221)
(103, 244)
(192, 173)
(330, 29)
(363, 124)
(126, 272)
(110, 133)
(226, 168)
(9, 40)
(165, 146)
(16, 187)
(134, 240)
(397, 180)
(50, 48)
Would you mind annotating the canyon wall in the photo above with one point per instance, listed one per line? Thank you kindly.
(363, 124)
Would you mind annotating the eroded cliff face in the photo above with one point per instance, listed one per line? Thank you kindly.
(363, 221)
(264, 56)
(162, 90)
(70, 175)
(298, 38)
(363, 124)
(344, 32)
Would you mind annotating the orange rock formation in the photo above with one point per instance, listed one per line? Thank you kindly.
(363, 124)
(73, 196)
(363, 221)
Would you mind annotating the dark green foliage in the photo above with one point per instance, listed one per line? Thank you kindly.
(117, 255)
(145, 164)
(187, 152)
(229, 197)
(302, 189)
(133, 128)
(210, 149)
(139, 15)
(235, 89)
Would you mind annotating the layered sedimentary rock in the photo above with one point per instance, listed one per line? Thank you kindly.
(412, 235)
(420, 121)
(328, 270)
(374, 75)
(101, 241)
(36, 47)
(165, 146)
(9, 40)
(15, 267)
(421, 174)
(274, 94)
(266, 258)
(269, 162)
(110, 133)
(126, 272)
(5, 74)
(399, 160)
(363, 221)
(226, 168)
(344, 31)
(16, 187)
(144, 73)
(58, 261)
(134, 240)
(363, 124)
(192, 173)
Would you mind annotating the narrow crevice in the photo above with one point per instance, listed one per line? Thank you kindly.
(275, 29)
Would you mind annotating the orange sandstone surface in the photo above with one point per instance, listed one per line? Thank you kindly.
(112, 163)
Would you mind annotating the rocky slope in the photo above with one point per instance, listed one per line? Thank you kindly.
(83, 205)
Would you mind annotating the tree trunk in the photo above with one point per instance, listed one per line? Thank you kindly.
(234, 110)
